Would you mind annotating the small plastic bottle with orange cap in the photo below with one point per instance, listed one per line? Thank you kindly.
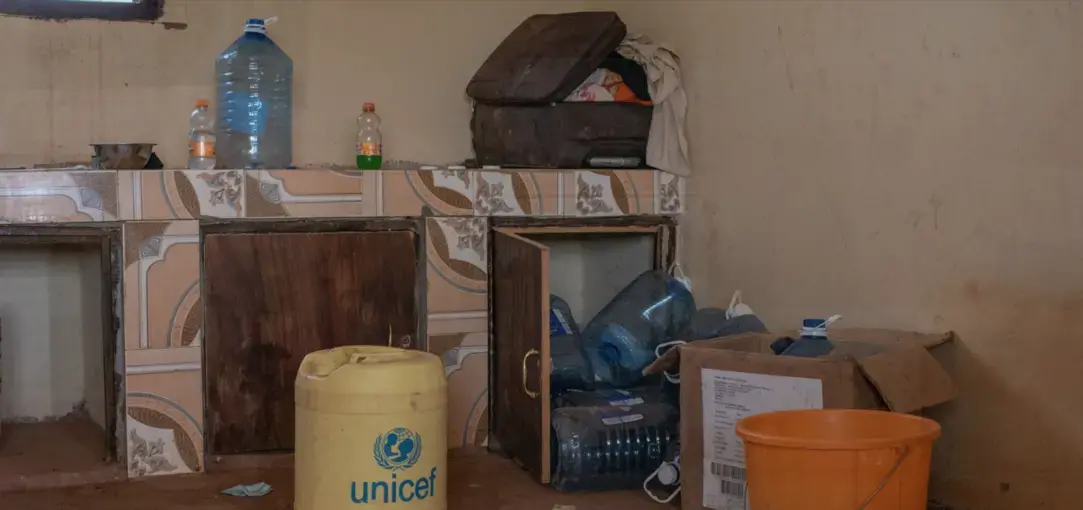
(201, 137)
(369, 142)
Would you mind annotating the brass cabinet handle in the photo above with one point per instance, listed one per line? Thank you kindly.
(532, 352)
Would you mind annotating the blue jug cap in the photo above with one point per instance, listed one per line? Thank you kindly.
(812, 323)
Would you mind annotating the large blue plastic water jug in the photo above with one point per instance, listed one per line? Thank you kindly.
(570, 369)
(610, 447)
(620, 340)
(255, 102)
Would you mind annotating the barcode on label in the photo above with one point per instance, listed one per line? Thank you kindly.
(729, 471)
(735, 489)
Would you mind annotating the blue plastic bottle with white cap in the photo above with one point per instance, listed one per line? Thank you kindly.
(813, 342)
(255, 101)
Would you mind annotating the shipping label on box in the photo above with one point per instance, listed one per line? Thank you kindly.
(727, 397)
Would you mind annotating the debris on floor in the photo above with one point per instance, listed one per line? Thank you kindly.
(249, 491)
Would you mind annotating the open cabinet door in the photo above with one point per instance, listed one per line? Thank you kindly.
(1, 370)
(521, 350)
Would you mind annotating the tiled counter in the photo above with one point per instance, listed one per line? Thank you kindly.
(162, 315)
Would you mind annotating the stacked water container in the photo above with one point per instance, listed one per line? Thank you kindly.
(611, 427)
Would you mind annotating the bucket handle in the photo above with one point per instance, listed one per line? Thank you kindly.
(887, 478)
(532, 352)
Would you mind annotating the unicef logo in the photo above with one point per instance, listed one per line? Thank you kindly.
(397, 450)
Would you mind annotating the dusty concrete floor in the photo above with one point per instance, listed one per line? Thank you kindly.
(64, 452)
(479, 481)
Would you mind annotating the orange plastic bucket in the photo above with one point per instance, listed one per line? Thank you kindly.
(837, 459)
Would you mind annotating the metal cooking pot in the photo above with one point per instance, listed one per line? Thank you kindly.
(122, 156)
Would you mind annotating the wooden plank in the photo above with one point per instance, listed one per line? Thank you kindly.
(582, 230)
(1, 365)
(59, 235)
(307, 225)
(521, 336)
(109, 260)
(580, 222)
(270, 299)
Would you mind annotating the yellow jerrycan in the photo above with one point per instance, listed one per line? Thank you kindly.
(371, 430)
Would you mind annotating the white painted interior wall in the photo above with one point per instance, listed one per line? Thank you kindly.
(588, 272)
(51, 355)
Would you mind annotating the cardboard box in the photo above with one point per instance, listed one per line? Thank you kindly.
(726, 379)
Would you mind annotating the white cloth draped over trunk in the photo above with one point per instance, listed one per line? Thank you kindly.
(667, 146)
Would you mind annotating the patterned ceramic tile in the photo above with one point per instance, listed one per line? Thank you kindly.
(304, 193)
(58, 196)
(609, 192)
(458, 321)
(126, 194)
(181, 194)
(161, 284)
(457, 277)
(373, 199)
(140, 361)
(165, 424)
(466, 366)
(453, 323)
(516, 193)
(669, 195)
(448, 192)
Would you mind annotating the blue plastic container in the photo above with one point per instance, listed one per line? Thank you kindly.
(620, 340)
(570, 369)
(813, 342)
(610, 447)
(255, 102)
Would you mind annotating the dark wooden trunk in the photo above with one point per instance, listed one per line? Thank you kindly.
(521, 364)
(272, 298)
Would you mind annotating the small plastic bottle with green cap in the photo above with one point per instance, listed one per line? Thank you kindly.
(369, 142)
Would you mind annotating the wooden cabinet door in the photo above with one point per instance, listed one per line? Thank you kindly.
(1, 364)
(272, 298)
(521, 360)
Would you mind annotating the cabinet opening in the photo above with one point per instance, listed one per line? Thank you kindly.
(55, 361)
(585, 267)
(587, 270)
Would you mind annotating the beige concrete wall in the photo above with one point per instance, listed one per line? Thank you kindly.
(64, 85)
(908, 165)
